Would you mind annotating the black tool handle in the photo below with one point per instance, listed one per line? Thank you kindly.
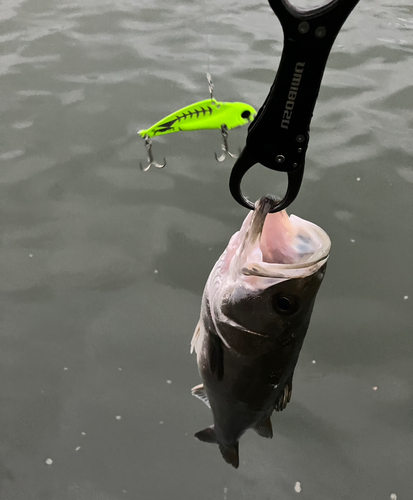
(279, 133)
(278, 137)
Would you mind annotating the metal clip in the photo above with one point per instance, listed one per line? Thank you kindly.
(210, 85)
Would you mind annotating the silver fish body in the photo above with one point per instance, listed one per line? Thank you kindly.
(255, 313)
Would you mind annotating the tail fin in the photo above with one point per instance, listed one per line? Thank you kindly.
(229, 452)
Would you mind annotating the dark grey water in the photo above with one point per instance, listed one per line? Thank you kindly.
(102, 267)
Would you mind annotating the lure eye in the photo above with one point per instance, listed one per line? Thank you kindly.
(285, 305)
(246, 114)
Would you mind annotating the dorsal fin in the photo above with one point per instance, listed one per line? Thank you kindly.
(285, 395)
(264, 428)
(207, 435)
(199, 392)
(230, 454)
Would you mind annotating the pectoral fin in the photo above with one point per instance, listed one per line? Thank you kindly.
(216, 355)
(199, 392)
(285, 396)
(264, 428)
(196, 341)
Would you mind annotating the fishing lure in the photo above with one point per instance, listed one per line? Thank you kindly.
(202, 115)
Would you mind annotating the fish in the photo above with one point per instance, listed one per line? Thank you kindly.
(203, 115)
(255, 312)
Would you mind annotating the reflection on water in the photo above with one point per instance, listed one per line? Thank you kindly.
(83, 232)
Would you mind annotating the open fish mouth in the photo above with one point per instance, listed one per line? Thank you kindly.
(275, 245)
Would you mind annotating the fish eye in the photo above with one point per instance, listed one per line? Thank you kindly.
(245, 114)
(285, 305)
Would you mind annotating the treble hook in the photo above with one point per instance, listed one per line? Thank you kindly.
(151, 161)
(224, 147)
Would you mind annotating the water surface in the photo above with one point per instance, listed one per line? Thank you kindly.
(102, 266)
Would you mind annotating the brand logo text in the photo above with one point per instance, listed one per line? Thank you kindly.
(292, 95)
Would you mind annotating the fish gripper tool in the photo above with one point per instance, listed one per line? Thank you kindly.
(278, 137)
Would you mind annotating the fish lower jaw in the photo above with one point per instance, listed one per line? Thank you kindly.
(282, 272)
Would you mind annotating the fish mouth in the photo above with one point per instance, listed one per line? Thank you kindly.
(276, 245)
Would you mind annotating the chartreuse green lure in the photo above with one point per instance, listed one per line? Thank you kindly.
(202, 115)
